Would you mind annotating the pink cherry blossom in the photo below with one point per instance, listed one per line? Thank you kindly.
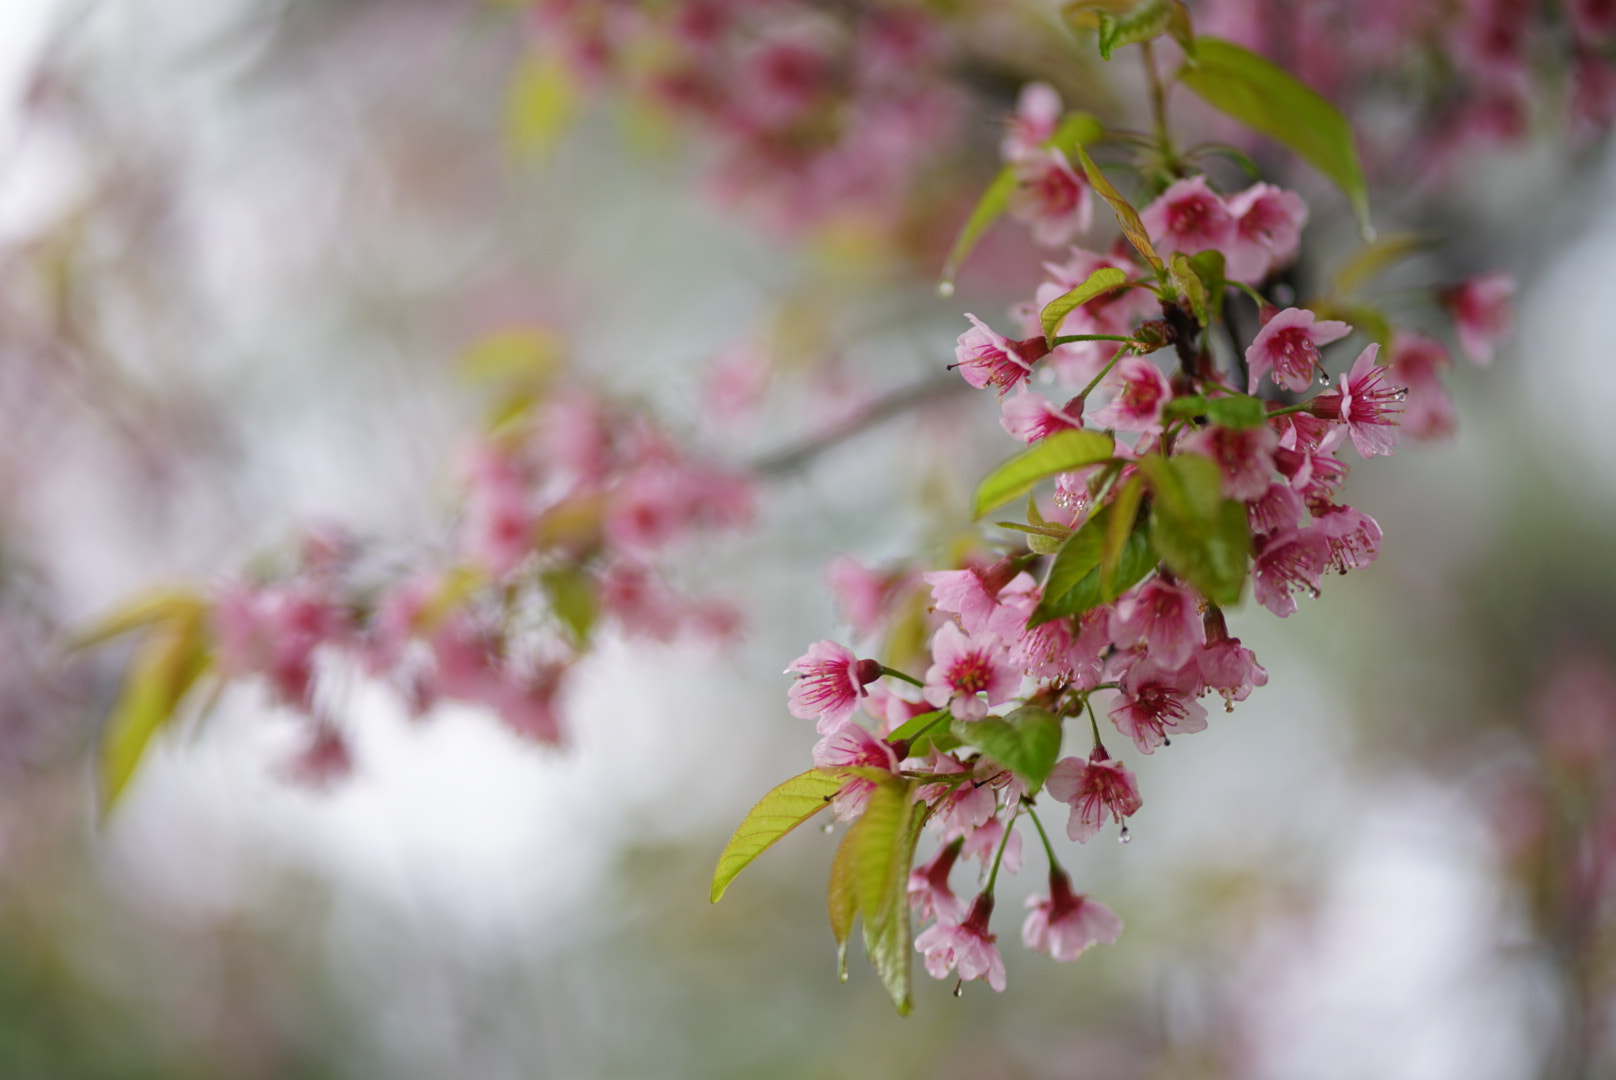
(1417, 363)
(1287, 559)
(1029, 416)
(966, 946)
(1353, 536)
(963, 667)
(830, 681)
(1267, 232)
(850, 744)
(500, 518)
(1278, 507)
(324, 758)
(1038, 110)
(1366, 403)
(1288, 346)
(1114, 312)
(1188, 217)
(1482, 313)
(983, 843)
(928, 889)
(1064, 924)
(1095, 789)
(860, 592)
(974, 594)
(1156, 702)
(1225, 665)
(1162, 618)
(985, 358)
(1049, 196)
(1244, 456)
(1143, 394)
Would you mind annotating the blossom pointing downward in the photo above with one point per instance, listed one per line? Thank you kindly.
(1288, 346)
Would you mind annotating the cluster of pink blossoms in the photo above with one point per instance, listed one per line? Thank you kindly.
(570, 510)
(1192, 478)
(819, 111)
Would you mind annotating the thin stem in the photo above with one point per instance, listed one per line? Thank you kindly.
(1158, 107)
(1287, 410)
(1094, 723)
(1067, 339)
(1042, 835)
(789, 460)
(1089, 389)
(1003, 843)
(896, 674)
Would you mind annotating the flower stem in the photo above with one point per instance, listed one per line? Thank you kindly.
(1009, 826)
(1067, 339)
(1089, 389)
(1042, 835)
(896, 674)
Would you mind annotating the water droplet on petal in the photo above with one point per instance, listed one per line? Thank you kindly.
(1401, 394)
(945, 288)
(1125, 837)
(959, 988)
(829, 829)
(1325, 379)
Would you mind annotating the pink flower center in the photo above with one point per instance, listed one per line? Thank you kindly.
(1294, 352)
(1188, 217)
(972, 672)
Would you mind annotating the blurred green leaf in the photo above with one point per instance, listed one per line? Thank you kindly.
(1201, 535)
(1061, 452)
(884, 844)
(1026, 741)
(1075, 129)
(1236, 411)
(165, 667)
(159, 605)
(1128, 22)
(1372, 259)
(777, 813)
(540, 104)
(572, 597)
(1102, 281)
(1267, 98)
(1191, 287)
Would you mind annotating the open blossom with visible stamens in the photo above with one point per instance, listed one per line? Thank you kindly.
(967, 946)
(1049, 196)
(1279, 507)
(1482, 313)
(1288, 346)
(1156, 702)
(985, 358)
(1064, 924)
(975, 594)
(1289, 558)
(963, 667)
(1188, 217)
(1353, 536)
(1143, 394)
(1366, 403)
(830, 681)
(1095, 789)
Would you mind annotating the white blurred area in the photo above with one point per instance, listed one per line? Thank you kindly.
(459, 844)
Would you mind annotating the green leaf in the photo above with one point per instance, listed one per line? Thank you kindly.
(1061, 452)
(776, 814)
(884, 849)
(1370, 260)
(1077, 586)
(1236, 411)
(1263, 96)
(937, 736)
(1201, 535)
(572, 598)
(1041, 539)
(1365, 318)
(841, 899)
(1191, 287)
(1102, 281)
(1128, 22)
(1127, 216)
(1120, 526)
(1077, 128)
(1026, 741)
(156, 606)
(168, 663)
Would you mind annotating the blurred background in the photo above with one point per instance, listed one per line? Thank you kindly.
(244, 244)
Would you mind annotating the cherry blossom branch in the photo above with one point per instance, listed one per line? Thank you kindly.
(895, 403)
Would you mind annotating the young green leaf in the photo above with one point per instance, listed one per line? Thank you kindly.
(1233, 411)
(572, 598)
(1127, 216)
(1102, 281)
(1026, 741)
(1078, 585)
(1370, 260)
(1264, 96)
(1191, 287)
(1201, 535)
(1077, 128)
(168, 663)
(157, 606)
(924, 732)
(1128, 22)
(884, 848)
(841, 899)
(1124, 513)
(1061, 452)
(777, 813)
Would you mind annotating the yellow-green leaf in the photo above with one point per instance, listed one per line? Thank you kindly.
(1124, 511)
(1060, 452)
(572, 598)
(777, 813)
(1127, 216)
(1203, 536)
(884, 845)
(1260, 94)
(165, 667)
(1102, 281)
(1027, 742)
(1077, 128)
(1370, 260)
(841, 899)
(158, 605)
